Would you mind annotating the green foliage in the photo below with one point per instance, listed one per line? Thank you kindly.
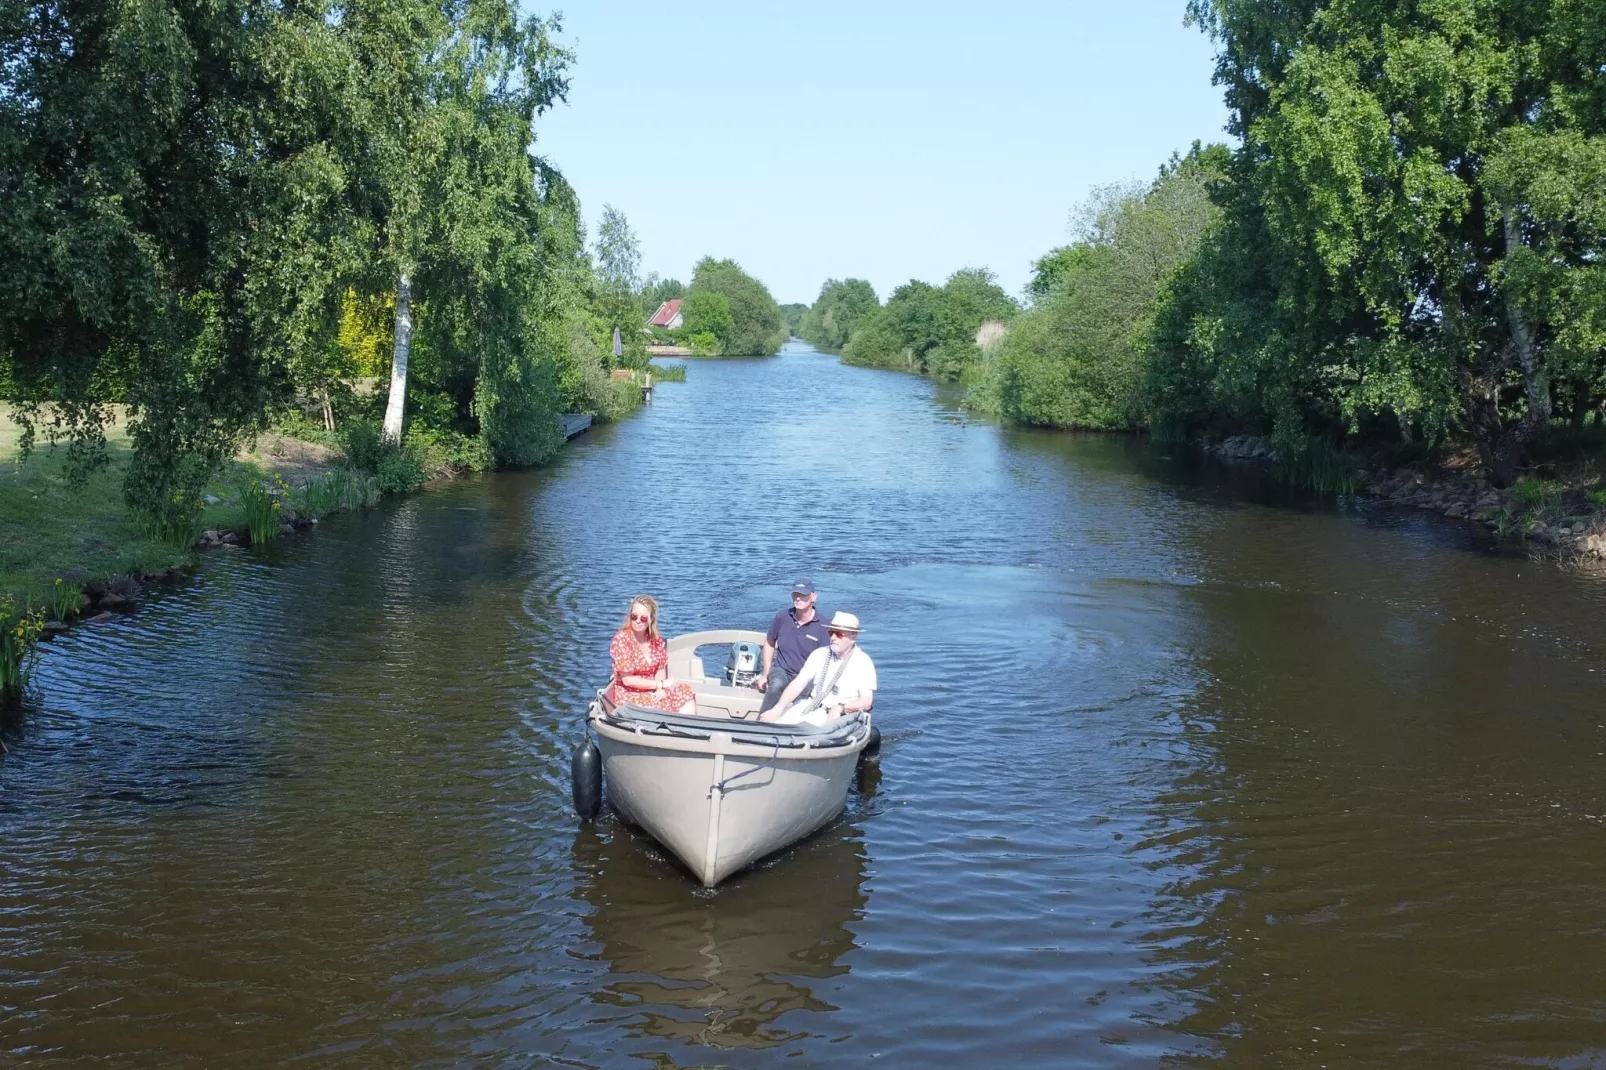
(363, 445)
(703, 344)
(340, 489)
(837, 313)
(399, 471)
(757, 329)
(793, 315)
(1530, 493)
(396, 467)
(925, 328)
(655, 291)
(263, 504)
(1078, 358)
(707, 317)
(209, 213)
(1315, 463)
(1412, 225)
(1596, 497)
(66, 599)
(19, 646)
(668, 373)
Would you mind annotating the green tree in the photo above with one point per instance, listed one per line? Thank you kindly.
(837, 313)
(1078, 357)
(925, 328)
(708, 314)
(173, 213)
(757, 327)
(1414, 203)
(793, 315)
(618, 260)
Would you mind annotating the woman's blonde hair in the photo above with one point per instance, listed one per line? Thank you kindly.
(652, 611)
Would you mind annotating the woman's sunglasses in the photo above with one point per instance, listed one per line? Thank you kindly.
(642, 617)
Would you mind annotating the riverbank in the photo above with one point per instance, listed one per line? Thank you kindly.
(75, 552)
(1558, 511)
(83, 534)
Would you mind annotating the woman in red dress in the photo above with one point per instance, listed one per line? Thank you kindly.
(640, 663)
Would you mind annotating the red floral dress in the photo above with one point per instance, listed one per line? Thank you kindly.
(629, 659)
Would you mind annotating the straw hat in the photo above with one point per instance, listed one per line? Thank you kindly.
(843, 622)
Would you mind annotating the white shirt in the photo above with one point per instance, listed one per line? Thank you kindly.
(857, 680)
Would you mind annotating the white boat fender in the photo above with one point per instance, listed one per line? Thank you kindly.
(585, 773)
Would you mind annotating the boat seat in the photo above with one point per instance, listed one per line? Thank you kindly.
(716, 698)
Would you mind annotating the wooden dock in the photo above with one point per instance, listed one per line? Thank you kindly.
(574, 423)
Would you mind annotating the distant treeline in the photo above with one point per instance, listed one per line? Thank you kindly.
(1407, 248)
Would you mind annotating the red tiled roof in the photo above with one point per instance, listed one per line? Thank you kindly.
(666, 312)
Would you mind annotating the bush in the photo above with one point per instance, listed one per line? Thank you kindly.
(363, 445)
(398, 472)
(703, 344)
(443, 451)
(396, 468)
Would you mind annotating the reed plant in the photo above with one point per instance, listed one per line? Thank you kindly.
(668, 373)
(342, 488)
(179, 524)
(65, 600)
(263, 504)
(19, 645)
(1315, 463)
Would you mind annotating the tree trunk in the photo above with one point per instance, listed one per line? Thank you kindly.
(1507, 452)
(402, 345)
(1581, 407)
(328, 410)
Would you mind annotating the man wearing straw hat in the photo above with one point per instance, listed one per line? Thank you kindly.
(839, 679)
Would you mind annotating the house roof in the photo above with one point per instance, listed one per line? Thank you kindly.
(666, 312)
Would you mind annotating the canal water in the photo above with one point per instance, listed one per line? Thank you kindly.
(1175, 771)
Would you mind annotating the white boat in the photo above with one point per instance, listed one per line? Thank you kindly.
(721, 789)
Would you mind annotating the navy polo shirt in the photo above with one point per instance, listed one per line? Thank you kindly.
(794, 642)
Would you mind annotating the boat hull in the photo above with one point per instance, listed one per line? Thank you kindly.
(721, 804)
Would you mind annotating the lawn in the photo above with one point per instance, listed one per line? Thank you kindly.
(51, 529)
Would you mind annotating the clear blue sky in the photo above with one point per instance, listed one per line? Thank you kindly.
(877, 139)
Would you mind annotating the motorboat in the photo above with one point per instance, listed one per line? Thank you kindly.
(719, 789)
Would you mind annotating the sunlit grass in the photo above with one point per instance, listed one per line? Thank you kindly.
(50, 529)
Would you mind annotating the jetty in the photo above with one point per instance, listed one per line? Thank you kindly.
(574, 423)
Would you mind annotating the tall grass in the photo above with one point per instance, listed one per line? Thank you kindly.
(343, 488)
(668, 373)
(264, 508)
(179, 525)
(1312, 462)
(19, 646)
(65, 600)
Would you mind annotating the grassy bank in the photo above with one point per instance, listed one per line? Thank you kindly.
(51, 529)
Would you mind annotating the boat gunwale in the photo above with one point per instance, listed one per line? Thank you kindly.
(724, 742)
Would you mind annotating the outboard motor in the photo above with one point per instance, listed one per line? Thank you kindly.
(746, 661)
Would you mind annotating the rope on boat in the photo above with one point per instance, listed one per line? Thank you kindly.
(723, 785)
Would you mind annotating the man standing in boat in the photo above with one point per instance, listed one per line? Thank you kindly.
(795, 633)
(840, 679)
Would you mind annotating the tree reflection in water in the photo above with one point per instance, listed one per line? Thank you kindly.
(719, 969)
